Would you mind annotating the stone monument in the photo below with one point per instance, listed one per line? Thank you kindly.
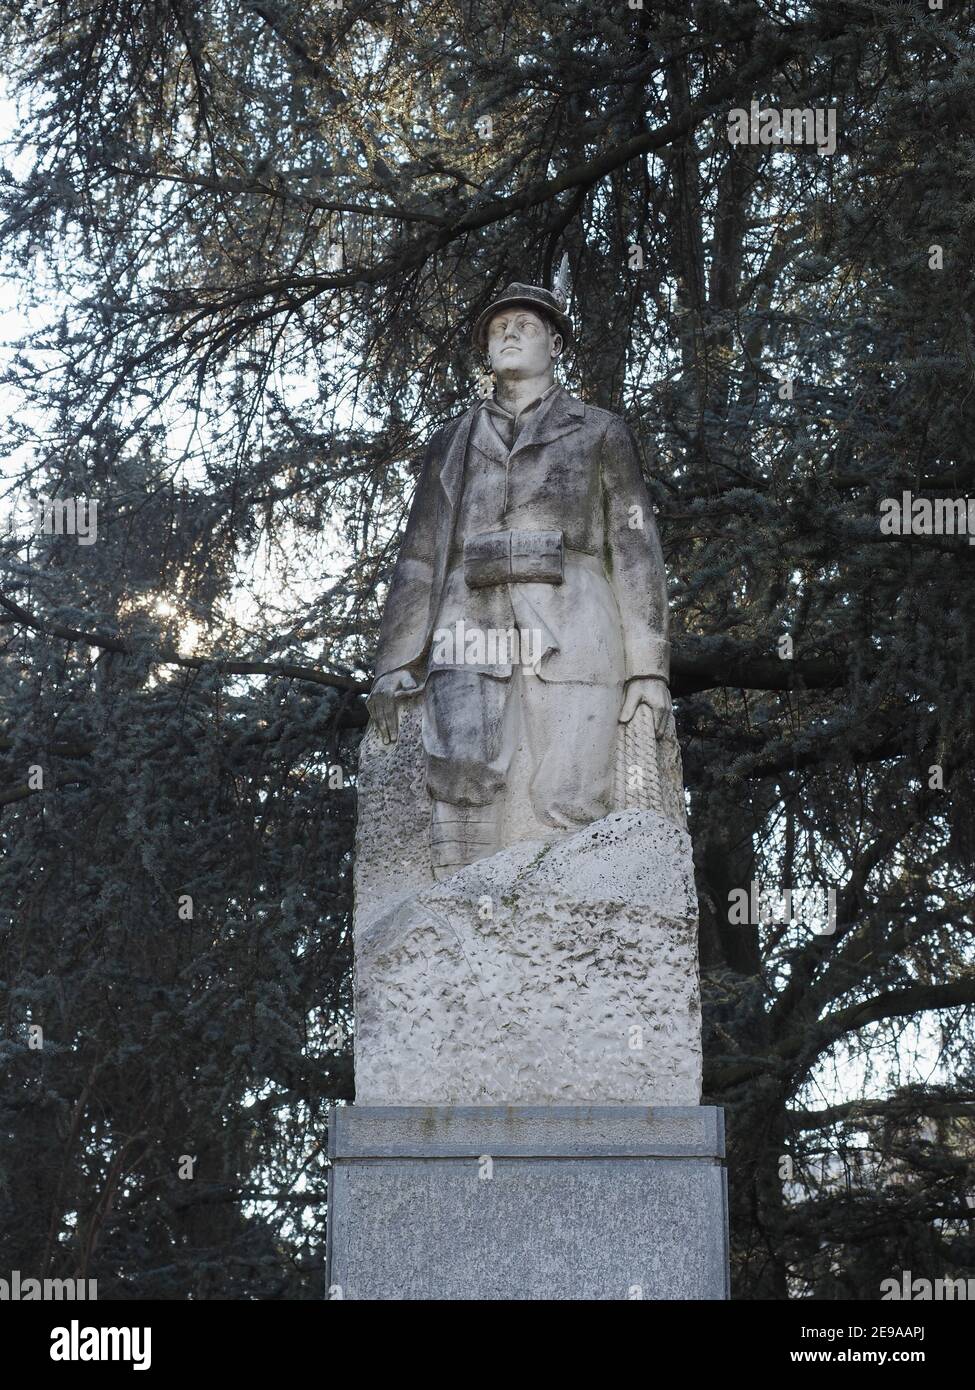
(527, 1121)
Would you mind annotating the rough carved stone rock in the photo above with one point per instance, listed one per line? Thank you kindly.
(549, 973)
(392, 838)
(392, 848)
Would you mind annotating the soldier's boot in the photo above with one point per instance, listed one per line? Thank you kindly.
(461, 834)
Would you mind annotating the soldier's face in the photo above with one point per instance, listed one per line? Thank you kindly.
(521, 344)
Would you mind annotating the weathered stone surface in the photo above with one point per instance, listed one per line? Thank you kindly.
(546, 974)
(525, 1131)
(602, 1202)
(553, 966)
(392, 840)
(392, 849)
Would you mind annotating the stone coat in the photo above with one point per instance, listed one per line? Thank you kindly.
(573, 468)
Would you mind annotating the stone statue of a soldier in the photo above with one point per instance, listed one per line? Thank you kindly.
(528, 606)
(526, 975)
(525, 916)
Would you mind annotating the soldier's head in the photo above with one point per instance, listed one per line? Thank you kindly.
(522, 342)
(523, 332)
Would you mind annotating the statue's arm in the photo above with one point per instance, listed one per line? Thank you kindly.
(403, 635)
(636, 564)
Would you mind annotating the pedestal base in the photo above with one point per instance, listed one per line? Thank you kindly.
(527, 1202)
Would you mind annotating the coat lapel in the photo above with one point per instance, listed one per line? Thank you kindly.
(485, 437)
(560, 415)
(452, 471)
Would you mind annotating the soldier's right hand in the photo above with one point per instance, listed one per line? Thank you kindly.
(382, 702)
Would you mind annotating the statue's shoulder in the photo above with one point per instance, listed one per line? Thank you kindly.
(444, 433)
(606, 422)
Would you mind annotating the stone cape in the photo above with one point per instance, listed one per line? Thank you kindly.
(556, 972)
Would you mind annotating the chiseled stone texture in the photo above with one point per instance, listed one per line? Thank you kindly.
(392, 847)
(392, 838)
(479, 1203)
(556, 974)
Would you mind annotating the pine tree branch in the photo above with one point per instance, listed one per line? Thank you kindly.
(808, 1044)
(741, 668)
(893, 1108)
(166, 656)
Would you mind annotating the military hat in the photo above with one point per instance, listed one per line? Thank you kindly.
(545, 302)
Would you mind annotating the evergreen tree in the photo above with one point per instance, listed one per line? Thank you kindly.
(250, 240)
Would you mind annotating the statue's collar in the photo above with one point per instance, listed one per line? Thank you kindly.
(557, 411)
(492, 403)
(560, 414)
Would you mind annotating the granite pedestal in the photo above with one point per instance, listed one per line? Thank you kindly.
(453, 1202)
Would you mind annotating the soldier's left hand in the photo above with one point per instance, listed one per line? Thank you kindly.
(652, 691)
